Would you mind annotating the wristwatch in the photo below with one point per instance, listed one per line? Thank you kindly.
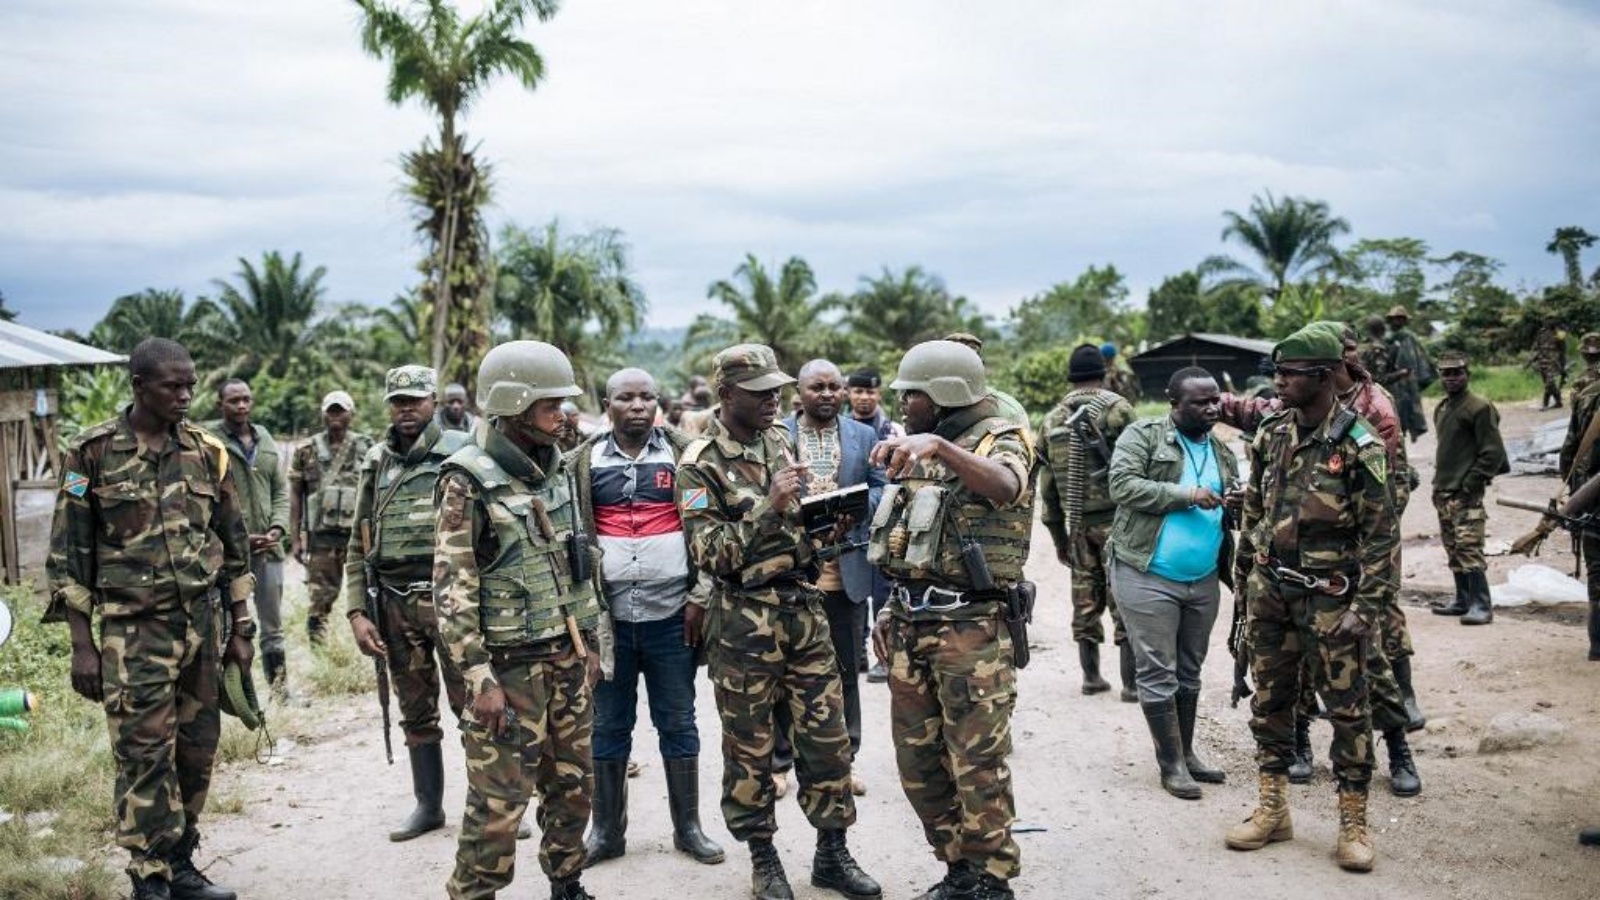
(245, 628)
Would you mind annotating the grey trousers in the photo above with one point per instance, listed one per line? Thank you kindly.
(1169, 625)
(269, 601)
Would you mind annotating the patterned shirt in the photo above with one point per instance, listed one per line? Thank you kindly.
(645, 563)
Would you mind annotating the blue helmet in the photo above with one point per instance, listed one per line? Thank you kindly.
(1108, 350)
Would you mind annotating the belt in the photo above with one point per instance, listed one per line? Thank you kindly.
(1334, 584)
(932, 598)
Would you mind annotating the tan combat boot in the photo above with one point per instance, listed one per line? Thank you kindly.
(1270, 822)
(1354, 850)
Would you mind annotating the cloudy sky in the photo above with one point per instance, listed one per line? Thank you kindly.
(1004, 145)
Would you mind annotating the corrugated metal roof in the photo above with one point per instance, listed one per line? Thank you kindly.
(22, 347)
(1226, 340)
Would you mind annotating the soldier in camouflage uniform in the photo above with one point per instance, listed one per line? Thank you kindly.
(1578, 462)
(952, 531)
(392, 540)
(515, 581)
(1376, 356)
(1550, 361)
(1117, 378)
(1471, 453)
(739, 488)
(147, 531)
(1409, 373)
(322, 493)
(1320, 520)
(1074, 489)
(1589, 348)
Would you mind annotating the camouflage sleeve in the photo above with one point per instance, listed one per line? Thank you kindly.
(69, 567)
(227, 522)
(455, 581)
(355, 569)
(1049, 492)
(297, 465)
(1017, 455)
(1131, 485)
(1245, 413)
(1254, 499)
(1376, 529)
(1116, 419)
(722, 541)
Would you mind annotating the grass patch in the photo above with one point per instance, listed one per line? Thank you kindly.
(1499, 384)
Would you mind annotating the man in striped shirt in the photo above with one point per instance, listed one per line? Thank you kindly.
(626, 479)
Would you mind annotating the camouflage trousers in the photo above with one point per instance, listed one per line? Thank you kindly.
(418, 661)
(1462, 522)
(1290, 641)
(546, 749)
(764, 654)
(325, 555)
(952, 689)
(160, 674)
(1091, 589)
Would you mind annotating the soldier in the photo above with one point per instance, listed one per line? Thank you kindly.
(514, 579)
(573, 431)
(1119, 379)
(1589, 348)
(739, 487)
(147, 531)
(1580, 461)
(1470, 455)
(1409, 373)
(390, 552)
(1319, 518)
(1550, 361)
(953, 532)
(453, 414)
(1075, 490)
(265, 504)
(1377, 357)
(323, 474)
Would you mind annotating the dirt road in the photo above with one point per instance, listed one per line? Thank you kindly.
(1095, 822)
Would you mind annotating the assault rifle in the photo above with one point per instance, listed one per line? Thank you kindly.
(380, 664)
(1579, 515)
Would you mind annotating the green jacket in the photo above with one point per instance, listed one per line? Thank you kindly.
(263, 492)
(1146, 467)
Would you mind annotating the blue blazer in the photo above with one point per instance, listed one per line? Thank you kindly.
(856, 440)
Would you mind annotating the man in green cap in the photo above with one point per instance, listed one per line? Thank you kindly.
(739, 490)
(323, 477)
(1319, 518)
(1471, 453)
(1409, 373)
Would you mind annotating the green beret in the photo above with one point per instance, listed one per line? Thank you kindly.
(1317, 342)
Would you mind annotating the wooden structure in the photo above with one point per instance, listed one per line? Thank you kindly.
(31, 364)
(1238, 358)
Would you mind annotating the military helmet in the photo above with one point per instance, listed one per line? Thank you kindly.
(515, 374)
(951, 374)
(1590, 343)
(1398, 312)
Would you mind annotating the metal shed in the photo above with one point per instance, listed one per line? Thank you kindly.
(1222, 354)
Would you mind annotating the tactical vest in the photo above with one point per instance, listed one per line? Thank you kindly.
(1076, 460)
(921, 522)
(403, 510)
(526, 591)
(333, 506)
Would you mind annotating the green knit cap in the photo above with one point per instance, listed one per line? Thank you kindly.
(1318, 342)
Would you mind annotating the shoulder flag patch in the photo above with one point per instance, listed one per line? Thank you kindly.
(75, 484)
(695, 498)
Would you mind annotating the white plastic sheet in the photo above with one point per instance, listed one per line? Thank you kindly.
(1534, 583)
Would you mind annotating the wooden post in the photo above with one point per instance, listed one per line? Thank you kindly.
(8, 511)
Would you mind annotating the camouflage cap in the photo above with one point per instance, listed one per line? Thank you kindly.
(753, 367)
(1451, 359)
(340, 399)
(967, 338)
(1397, 312)
(1317, 342)
(1590, 343)
(410, 381)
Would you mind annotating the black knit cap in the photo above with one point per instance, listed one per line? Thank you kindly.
(1086, 364)
(864, 378)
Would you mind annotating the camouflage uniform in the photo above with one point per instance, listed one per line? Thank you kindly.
(1575, 471)
(1589, 347)
(148, 539)
(1550, 361)
(505, 588)
(1406, 354)
(325, 477)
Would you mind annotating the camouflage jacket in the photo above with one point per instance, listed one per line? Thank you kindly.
(1377, 357)
(1318, 501)
(1575, 471)
(735, 536)
(316, 467)
(1549, 352)
(263, 497)
(1582, 380)
(1406, 353)
(139, 533)
(1056, 449)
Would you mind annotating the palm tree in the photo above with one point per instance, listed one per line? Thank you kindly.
(1291, 239)
(1570, 241)
(401, 331)
(893, 311)
(446, 62)
(266, 318)
(780, 313)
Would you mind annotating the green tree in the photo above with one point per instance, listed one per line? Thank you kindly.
(266, 318)
(782, 313)
(160, 313)
(446, 62)
(1092, 306)
(1569, 242)
(1187, 303)
(1290, 239)
(1385, 271)
(892, 311)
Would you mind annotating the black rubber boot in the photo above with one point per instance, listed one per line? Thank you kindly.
(834, 869)
(427, 785)
(1590, 837)
(767, 880)
(1461, 603)
(1199, 769)
(992, 888)
(960, 883)
(1408, 695)
(151, 888)
(1304, 758)
(1130, 692)
(569, 890)
(276, 668)
(316, 630)
(188, 882)
(1482, 610)
(683, 801)
(1594, 630)
(1089, 658)
(1403, 778)
(608, 815)
(1162, 717)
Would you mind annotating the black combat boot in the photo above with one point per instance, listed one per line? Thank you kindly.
(153, 887)
(569, 889)
(316, 630)
(835, 869)
(1089, 658)
(1199, 769)
(1482, 606)
(188, 882)
(276, 668)
(1590, 837)
(427, 785)
(960, 883)
(767, 880)
(683, 801)
(1162, 717)
(992, 888)
(1402, 677)
(608, 814)
(1304, 757)
(1403, 778)
(1594, 631)
(1130, 692)
(1461, 603)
